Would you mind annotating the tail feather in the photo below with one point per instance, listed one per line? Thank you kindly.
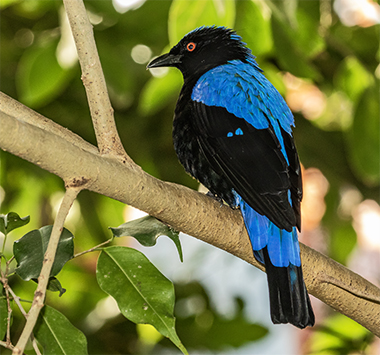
(289, 300)
(279, 251)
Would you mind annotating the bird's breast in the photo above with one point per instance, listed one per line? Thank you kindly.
(186, 140)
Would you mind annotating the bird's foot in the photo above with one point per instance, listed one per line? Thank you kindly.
(215, 197)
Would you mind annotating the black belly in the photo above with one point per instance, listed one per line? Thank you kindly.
(194, 160)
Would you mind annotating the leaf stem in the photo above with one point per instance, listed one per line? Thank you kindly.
(94, 248)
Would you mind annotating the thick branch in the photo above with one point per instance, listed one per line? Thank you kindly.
(93, 80)
(185, 210)
(16, 109)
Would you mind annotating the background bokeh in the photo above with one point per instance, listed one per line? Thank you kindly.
(323, 56)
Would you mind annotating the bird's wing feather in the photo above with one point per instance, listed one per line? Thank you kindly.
(244, 128)
(249, 158)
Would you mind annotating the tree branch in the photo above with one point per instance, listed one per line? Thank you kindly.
(184, 209)
(93, 79)
(42, 142)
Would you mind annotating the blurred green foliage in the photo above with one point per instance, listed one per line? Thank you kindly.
(304, 38)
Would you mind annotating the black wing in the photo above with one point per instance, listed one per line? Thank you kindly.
(252, 161)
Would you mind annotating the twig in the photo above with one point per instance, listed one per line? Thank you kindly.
(17, 300)
(4, 281)
(94, 248)
(6, 345)
(93, 80)
(22, 310)
(9, 313)
(43, 279)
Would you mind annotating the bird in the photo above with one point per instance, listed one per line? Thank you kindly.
(232, 131)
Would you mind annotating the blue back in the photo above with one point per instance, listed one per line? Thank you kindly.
(244, 91)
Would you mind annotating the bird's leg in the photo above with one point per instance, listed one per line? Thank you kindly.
(215, 197)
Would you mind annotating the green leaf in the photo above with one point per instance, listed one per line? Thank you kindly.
(6, 3)
(307, 34)
(39, 77)
(218, 333)
(55, 286)
(3, 313)
(289, 52)
(352, 77)
(340, 335)
(146, 230)
(143, 294)
(363, 137)
(337, 114)
(29, 252)
(12, 221)
(202, 328)
(342, 241)
(158, 91)
(57, 335)
(186, 15)
(253, 22)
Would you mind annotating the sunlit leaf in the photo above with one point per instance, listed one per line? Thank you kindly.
(39, 77)
(159, 91)
(337, 114)
(5, 3)
(253, 23)
(146, 230)
(142, 293)
(30, 249)
(187, 15)
(57, 335)
(289, 53)
(288, 10)
(352, 77)
(12, 221)
(184, 16)
(340, 335)
(307, 30)
(342, 241)
(363, 137)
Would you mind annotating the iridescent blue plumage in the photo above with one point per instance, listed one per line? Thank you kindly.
(245, 92)
(232, 131)
(283, 247)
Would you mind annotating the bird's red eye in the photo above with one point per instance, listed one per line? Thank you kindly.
(191, 46)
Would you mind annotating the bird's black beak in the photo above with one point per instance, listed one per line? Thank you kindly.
(165, 60)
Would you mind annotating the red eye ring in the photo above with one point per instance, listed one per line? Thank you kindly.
(191, 46)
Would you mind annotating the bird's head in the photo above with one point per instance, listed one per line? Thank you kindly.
(203, 49)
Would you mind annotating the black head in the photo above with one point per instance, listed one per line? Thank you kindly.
(203, 49)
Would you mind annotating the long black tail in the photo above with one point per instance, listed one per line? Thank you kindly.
(289, 300)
